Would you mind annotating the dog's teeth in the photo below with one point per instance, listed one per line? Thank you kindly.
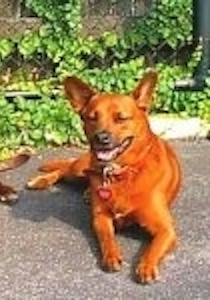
(104, 155)
(107, 155)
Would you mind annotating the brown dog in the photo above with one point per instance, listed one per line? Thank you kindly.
(8, 194)
(134, 175)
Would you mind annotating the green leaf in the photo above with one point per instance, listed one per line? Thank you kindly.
(6, 47)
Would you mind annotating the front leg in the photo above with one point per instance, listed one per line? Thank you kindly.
(158, 221)
(104, 230)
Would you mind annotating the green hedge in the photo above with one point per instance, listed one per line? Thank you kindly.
(60, 42)
(38, 123)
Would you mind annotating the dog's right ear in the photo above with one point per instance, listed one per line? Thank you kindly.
(78, 92)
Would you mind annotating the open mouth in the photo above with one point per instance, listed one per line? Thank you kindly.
(111, 154)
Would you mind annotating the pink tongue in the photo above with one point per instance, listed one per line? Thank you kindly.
(104, 193)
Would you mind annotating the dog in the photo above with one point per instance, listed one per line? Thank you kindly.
(8, 194)
(133, 174)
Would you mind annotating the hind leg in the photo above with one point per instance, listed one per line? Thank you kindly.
(56, 164)
(54, 171)
(59, 169)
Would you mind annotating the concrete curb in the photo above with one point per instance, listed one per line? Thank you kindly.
(177, 128)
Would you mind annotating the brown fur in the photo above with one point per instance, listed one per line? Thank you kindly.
(8, 194)
(134, 175)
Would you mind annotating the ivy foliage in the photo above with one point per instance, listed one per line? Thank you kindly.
(111, 62)
(37, 124)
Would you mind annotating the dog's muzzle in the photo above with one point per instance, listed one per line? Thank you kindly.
(106, 148)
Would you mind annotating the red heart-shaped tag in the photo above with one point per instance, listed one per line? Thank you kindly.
(104, 193)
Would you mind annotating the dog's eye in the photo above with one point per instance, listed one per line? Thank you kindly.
(120, 118)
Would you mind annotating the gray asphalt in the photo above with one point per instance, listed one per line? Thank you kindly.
(48, 251)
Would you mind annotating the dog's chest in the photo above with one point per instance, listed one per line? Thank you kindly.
(114, 195)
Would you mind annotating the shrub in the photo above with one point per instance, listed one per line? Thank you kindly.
(109, 62)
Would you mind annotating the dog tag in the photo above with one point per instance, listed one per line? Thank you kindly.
(104, 193)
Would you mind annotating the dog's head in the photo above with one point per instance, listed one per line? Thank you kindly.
(116, 125)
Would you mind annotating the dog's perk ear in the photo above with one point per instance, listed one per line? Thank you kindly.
(78, 92)
(144, 91)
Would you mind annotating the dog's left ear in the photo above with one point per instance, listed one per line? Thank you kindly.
(144, 91)
(78, 92)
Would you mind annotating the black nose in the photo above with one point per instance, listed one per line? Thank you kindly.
(103, 138)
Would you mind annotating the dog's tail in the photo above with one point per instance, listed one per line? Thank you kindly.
(14, 162)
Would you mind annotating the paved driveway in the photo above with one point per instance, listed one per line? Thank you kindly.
(48, 251)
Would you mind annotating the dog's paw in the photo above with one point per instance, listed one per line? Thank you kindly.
(147, 272)
(43, 181)
(10, 198)
(112, 261)
(8, 195)
(38, 183)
